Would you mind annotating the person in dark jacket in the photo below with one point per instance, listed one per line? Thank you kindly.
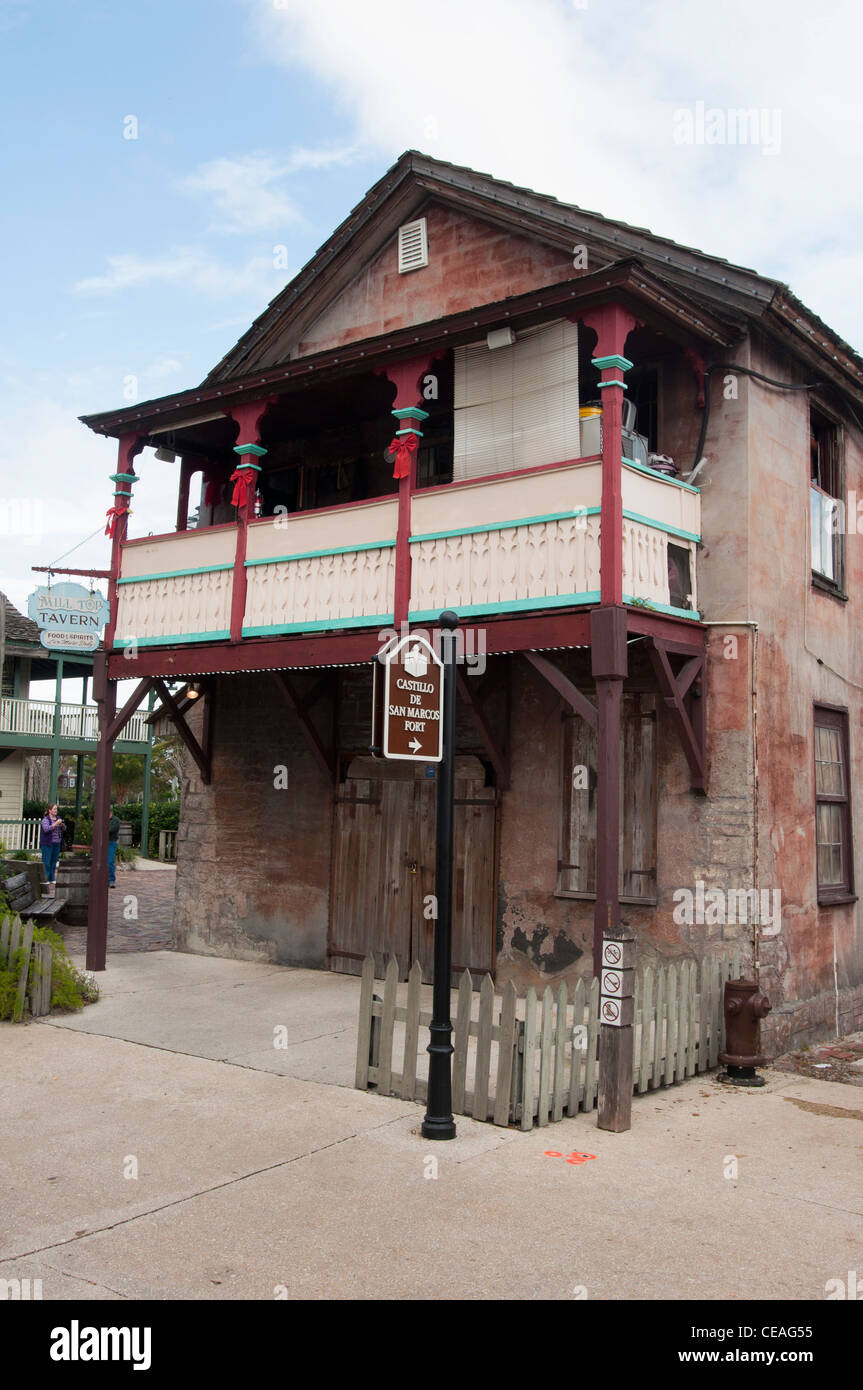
(50, 835)
(113, 835)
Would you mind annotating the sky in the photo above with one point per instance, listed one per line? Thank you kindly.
(162, 162)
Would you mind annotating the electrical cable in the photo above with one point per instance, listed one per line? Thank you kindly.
(74, 548)
(746, 371)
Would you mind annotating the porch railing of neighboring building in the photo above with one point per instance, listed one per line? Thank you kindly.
(19, 834)
(35, 718)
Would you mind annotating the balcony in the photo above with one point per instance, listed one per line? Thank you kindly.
(31, 724)
(516, 542)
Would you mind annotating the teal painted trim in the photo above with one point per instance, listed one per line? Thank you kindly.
(375, 620)
(601, 385)
(417, 432)
(614, 360)
(514, 606)
(660, 526)
(217, 635)
(123, 477)
(652, 606)
(122, 492)
(250, 449)
(317, 554)
(506, 525)
(175, 574)
(256, 466)
(410, 412)
(652, 473)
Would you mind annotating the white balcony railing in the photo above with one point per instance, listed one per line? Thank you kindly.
(486, 545)
(35, 719)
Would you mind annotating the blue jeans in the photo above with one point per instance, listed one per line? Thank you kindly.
(112, 859)
(50, 855)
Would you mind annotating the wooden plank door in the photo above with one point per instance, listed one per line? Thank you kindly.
(371, 889)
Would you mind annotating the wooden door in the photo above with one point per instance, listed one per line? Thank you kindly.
(383, 868)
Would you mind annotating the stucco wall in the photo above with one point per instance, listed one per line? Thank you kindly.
(470, 262)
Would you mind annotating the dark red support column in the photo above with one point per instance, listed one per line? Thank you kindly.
(248, 417)
(608, 656)
(105, 694)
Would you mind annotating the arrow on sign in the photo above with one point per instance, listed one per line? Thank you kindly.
(415, 745)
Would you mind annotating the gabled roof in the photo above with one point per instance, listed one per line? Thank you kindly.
(705, 295)
(722, 288)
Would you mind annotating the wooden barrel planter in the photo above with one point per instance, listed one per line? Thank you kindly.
(124, 835)
(73, 884)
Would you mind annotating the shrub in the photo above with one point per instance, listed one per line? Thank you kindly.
(71, 988)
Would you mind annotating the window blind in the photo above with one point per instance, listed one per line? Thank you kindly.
(517, 407)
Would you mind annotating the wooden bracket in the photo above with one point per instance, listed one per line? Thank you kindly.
(564, 687)
(685, 704)
(475, 695)
(201, 757)
(120, 720)
(302, 705)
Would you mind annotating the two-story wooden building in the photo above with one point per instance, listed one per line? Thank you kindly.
(621, 462)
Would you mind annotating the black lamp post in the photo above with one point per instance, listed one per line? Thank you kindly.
(438, 1122)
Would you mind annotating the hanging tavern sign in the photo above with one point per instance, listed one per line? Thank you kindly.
(71, 617)
(413, 702)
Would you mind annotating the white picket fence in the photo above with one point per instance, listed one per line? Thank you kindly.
(534, 1060)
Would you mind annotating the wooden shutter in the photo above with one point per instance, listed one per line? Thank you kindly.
(517, 407)
(577, 865)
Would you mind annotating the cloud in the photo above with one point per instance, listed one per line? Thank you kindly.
(192, 267)
(248, 191)
(579, 100)
(245, 192)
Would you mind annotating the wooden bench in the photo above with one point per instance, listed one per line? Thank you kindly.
(23, 901)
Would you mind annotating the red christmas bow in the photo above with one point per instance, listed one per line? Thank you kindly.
(403, 448)
(212, 492)
(113, 514)
(244, 481)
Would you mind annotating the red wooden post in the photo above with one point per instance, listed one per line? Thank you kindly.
(105, 694)
(118, 520)
(186, 470)
(248, 417)
(407, 377)
(612, 323)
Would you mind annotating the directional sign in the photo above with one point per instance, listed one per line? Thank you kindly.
(413, 702)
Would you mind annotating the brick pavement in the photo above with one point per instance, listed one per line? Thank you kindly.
(140, 910)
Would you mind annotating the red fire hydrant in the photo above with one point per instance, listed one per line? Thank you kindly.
(745, 1006)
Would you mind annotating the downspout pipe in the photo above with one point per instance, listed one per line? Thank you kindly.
(756, 932)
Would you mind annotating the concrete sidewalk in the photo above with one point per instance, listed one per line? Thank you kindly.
(249, 1180)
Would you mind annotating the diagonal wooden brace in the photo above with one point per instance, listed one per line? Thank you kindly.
(498, 755)
(300, 705)
(564, 687)
(674, 689)
(120, 720)
(201, 758)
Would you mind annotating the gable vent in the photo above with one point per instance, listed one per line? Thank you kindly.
(413, 246)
